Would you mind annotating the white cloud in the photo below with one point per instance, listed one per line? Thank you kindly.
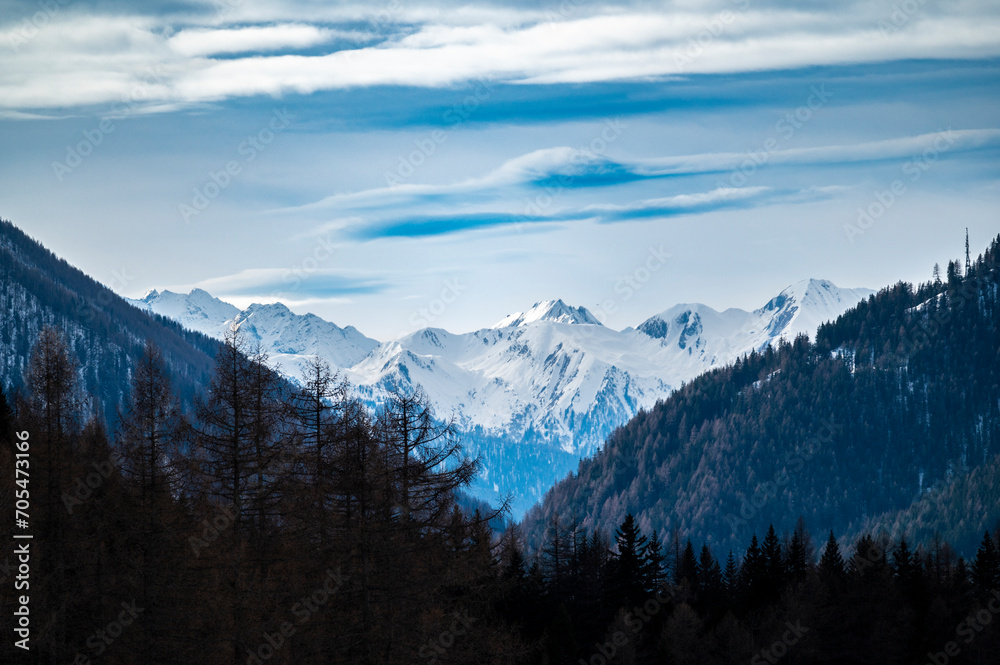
(75, 61)
(538, 164)
(197, 42)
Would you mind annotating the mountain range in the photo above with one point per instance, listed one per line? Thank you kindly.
(888, 420)
(717, 423)
(538, 390)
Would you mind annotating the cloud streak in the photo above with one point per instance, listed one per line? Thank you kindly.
(723, 198)
(316, 284)
(204, 41)
(78, 61)
(417, 210)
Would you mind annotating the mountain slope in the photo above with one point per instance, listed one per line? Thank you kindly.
(106, 333)
(544, 388)
(893, 397)
(290, 339)
(541, 388)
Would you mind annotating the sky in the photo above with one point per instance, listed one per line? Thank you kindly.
(401, 164)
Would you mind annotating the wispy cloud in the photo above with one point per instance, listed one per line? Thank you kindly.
(723, 198)
(414, 210)
(268, 282)
(205, 41)
(96, 59)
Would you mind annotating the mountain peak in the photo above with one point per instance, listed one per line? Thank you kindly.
(555, 311)
(804, 305)
(275, 309)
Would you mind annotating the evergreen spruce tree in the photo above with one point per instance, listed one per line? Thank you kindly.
(687, 568)
(986, 565)
(629, 566)
(730, 576)
(831, 564)
(653, 559)
(753, 575)
(774, 564)
(797, 561)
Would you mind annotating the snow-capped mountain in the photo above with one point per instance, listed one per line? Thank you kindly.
(541, 388)
(290, 339)
(293, 339)
(197, 310)
(556, 372)
(699, 337)
(548, 310)
(567, 382)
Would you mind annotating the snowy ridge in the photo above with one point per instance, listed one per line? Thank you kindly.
(291, 340)
(709, 338)
(553, 371)
(549, 310)
(197, 310)
(550, 378)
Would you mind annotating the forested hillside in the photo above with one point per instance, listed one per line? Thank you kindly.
(106, 334)
(232, 517)
(282, 525)
(896, 399)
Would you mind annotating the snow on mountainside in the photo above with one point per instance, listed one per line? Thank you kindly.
(290, 339)
(562, 381)
(293, 339)
(555, 373)
(197, 310)
(708, 338)
(548, 310)
(539, 389)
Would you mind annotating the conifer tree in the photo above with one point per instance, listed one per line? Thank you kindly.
(986, 565)
(151, 436)
(688, 569)
(730, 576)
(653, 559)
(628, 580)
(54, 407)
(831, 564)
(774, 564)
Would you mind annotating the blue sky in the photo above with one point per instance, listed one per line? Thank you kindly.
(399, 164)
